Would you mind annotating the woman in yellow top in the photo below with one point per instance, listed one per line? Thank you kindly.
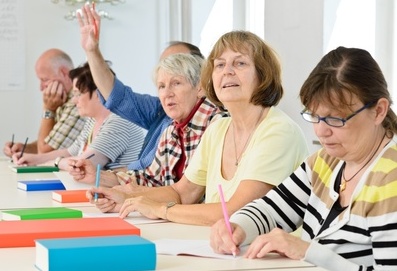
(248, 153)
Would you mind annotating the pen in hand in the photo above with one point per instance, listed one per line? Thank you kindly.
(12, 144)
(98, 177)
(225, 214)
(12, 141)
(23, 148)
(88, 157)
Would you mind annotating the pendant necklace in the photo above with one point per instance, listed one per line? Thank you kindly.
(246, 142)
(342, 186)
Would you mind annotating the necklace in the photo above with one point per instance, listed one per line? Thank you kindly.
(342, 186)
(246, 142)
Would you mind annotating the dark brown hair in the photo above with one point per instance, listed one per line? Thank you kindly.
(342, 74)
(85, 82)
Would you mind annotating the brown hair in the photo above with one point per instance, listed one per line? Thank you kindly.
(342, 74)
(85, 82)
(269, 90)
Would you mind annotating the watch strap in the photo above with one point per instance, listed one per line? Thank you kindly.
(48, 114)
(169, 205)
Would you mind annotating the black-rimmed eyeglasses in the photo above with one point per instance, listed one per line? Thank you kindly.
(331, 121)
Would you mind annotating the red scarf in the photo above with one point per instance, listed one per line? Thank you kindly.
(180, 127)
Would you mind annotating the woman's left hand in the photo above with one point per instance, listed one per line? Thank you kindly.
(277, 241)
(147, 207)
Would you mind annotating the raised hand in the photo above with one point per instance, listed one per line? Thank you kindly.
(89, 22)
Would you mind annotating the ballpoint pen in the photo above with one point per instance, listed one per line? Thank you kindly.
(12, 141)
(88, 157)
(23, 148)
(225, 214)
(98, 177)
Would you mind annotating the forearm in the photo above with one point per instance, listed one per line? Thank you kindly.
(31, 147)
(52, 155)
(103, 77)
(160, 194)
(109, 179)
(45, 129)
(322, 256)
(195, 214)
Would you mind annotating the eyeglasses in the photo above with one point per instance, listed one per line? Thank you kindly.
(331, 121)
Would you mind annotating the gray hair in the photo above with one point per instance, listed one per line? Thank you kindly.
(185, 65)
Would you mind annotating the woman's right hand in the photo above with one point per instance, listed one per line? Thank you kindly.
(109, 200)
(11, 148)
(89, 22)
(82, 170)
(221, 241)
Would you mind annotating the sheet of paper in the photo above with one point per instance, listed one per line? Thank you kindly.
(200, 248)
(69, 183)
(134, 218)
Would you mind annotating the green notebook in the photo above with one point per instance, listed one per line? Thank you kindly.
(41, 213)
(33, 169)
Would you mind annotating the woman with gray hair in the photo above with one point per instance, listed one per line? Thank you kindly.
(247, 153)
(177, 78)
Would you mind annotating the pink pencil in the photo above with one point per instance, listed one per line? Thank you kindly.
(225, 214)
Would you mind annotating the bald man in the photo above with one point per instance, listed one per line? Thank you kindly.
(60, 124)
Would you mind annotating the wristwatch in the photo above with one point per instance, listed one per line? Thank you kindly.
(48, 114)
(57, 160)
(169, 205)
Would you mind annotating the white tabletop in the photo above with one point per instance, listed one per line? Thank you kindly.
(22, 259)
(12, 198)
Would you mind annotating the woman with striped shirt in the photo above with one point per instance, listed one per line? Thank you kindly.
(114, 141)
(345, 195)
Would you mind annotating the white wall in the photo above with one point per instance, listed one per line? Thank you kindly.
(295, 30)
(134, 39)
(130, 41)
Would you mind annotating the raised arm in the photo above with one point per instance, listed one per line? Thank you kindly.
(89, 22)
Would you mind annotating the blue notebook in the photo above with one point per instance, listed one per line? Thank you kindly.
(41, 185)
(116, 253)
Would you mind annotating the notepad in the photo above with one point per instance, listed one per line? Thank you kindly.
(121, 253)
(69, 196)
(70, 183)
(40, 185)
(199, 248)
(41, 213)
(23, 233)
(33, 169)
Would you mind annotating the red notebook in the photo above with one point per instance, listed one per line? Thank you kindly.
(24, 233)
(68, 196)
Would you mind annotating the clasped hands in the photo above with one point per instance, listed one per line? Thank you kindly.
(115, 200)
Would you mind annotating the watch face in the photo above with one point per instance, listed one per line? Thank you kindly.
(170, 204)
(48, 114)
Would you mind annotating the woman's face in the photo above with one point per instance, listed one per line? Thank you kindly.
(349, 142)
(234, 77)
(85, 105)
(177, 95)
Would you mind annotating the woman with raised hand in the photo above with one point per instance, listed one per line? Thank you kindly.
(247, 153)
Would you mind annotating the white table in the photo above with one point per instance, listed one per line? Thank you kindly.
(12, 198)
(22, 259)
